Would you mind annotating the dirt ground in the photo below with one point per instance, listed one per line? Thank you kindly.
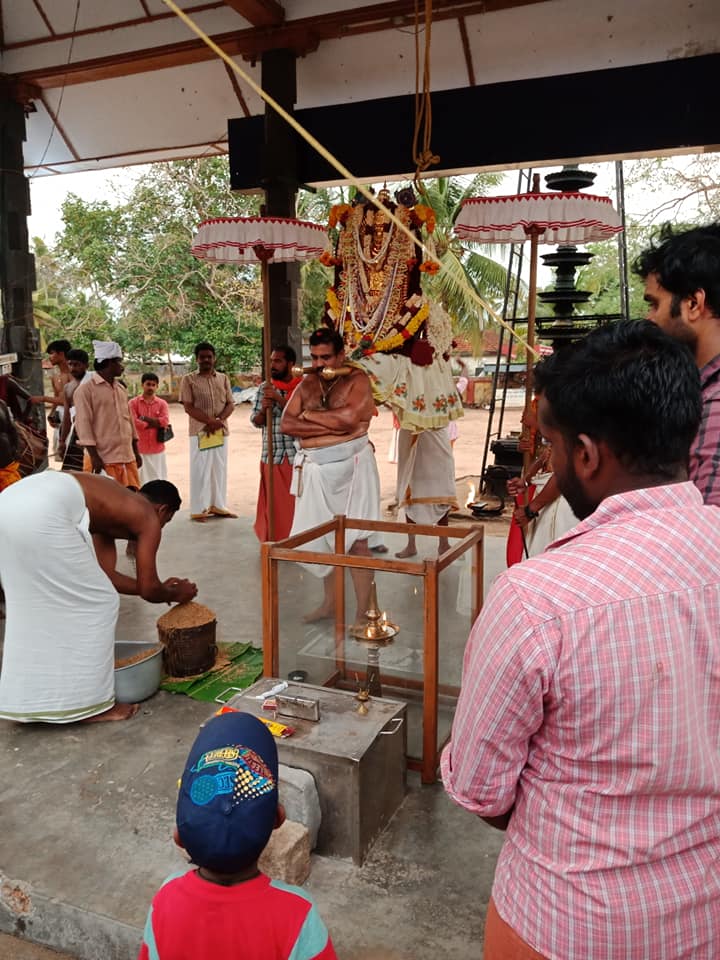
(244, 457)
(245, 444)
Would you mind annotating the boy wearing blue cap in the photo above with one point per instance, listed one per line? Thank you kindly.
(227, 808)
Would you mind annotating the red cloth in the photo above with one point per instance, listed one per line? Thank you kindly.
(515, 549)
(284, 502)
(260, 919)
(287, 386)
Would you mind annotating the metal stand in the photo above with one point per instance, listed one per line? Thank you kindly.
(376, 632)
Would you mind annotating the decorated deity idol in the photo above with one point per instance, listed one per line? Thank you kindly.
(377, 303)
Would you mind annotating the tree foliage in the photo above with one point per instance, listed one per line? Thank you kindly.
(602, 275)
(466, 264)
(684, 188)
(121, 268)
(134, 257)
(315, 278)
(63, 305)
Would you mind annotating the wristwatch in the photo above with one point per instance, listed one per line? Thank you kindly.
(530, 513)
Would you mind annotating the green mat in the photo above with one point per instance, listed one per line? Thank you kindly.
(244, 668)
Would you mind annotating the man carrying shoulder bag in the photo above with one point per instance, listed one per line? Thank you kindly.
(152, 422)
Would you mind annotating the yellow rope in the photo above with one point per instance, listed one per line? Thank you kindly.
(424, 157)
(331, 159)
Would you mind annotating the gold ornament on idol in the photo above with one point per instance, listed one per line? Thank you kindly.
(371, 304)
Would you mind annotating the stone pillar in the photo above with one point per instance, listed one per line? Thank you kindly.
(18, 333)
(280, 183)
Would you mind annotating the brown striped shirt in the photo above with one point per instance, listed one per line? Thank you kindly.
(103, 419)
(209, 394)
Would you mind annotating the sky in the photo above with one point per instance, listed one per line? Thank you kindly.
(48, 193)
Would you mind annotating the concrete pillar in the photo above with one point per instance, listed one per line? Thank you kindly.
(280, 183)
(18, 333)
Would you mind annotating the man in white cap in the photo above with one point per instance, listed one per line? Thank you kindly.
(103, 422)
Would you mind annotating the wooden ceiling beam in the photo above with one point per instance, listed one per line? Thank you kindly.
(260, 13)
(12, 88)
(466, 51)
(237, 90)
(115, 25)
(122, 159)
(60, 129)
(302, 36)
(44, 18)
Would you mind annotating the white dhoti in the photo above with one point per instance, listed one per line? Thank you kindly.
(329, 482)
(154, 467)
(208, 478)
(392, 454)
(61, 608)
(426, 475)
(554, 521)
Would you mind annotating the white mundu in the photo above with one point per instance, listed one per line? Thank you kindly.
(426, 475)
(154, 467)
(208, 478)
(58, 660)
(330, 481)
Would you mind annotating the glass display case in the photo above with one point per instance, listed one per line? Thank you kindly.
(383, 625)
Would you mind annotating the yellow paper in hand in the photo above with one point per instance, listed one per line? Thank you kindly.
(207, 441)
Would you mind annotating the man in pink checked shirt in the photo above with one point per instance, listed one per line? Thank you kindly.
(588, 723)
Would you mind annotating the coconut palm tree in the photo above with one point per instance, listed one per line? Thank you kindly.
(465, 264)
(314, 277)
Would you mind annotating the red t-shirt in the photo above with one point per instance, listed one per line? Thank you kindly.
(260, 919)
(147, 435)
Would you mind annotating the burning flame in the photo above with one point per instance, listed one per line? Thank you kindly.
(471, 494)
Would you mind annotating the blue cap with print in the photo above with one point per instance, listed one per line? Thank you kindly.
(228, 796)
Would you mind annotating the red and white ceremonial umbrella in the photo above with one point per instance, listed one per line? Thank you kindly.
(554, 218)
(260, 240)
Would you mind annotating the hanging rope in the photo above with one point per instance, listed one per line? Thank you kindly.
(423, 157)
(336, 163)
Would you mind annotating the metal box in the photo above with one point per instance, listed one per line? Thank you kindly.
(358, 762)
(302, 708)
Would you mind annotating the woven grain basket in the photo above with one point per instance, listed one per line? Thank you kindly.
(188, 650)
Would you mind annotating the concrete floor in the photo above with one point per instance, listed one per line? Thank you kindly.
(12, 948)
(86, 813)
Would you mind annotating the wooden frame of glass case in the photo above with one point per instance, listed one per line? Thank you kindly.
(429, 570)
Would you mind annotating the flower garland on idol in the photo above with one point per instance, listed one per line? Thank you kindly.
(376, 301)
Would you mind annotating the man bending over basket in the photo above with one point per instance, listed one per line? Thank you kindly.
(57, 567)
